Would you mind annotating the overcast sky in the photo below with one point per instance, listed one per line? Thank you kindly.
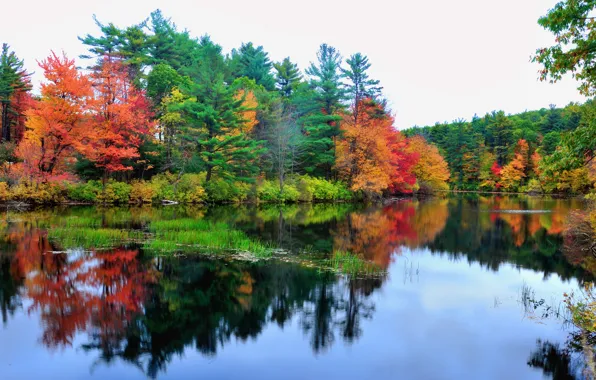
(438, 60)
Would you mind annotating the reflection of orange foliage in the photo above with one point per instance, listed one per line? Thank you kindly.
(429, 220)
(244, 291)
(74, 291)
(376, 235)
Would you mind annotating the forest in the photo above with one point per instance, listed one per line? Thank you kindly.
(162, 115)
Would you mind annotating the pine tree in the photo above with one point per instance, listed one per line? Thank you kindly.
(359, 86)
(212, 120)
(13, 78)
(321, 106)
(254, 63)
(287, 77)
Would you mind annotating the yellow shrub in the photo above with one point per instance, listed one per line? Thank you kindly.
(4, 192)
(142, 192)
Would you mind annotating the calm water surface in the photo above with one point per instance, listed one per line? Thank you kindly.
(472, 291)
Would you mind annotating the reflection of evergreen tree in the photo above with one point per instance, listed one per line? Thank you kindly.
(9, 289)
(205, 303)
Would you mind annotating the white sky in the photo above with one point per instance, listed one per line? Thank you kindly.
(438, 60)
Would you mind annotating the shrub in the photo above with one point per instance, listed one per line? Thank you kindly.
(34, 192)
(318, 189)
(84, 192)
(4, 192)
(114, 192)
(190, 188)
(220, 191)
(142, 192)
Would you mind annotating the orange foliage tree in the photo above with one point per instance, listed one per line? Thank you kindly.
(57, 125)
(121, 119)
(372, 155)
(431, 169)
(514, 173)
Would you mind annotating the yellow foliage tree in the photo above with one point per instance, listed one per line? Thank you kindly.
(431, 169)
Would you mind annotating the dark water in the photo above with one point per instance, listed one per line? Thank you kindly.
(472, 291)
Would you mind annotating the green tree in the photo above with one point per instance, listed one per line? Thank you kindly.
(254, 63)
(213, 122)
(501, 128)
(13, 77)
(168, 45)
(128, 45)
(287, 77)
(320, 105)
(359, 85)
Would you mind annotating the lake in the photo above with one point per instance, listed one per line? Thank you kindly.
(470, 288)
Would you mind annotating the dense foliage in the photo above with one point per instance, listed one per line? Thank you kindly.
(532, 151)
(157, 103)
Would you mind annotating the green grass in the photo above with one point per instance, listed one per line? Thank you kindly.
(196, 235)
(81, 221)
(88, 238)
(351, 264)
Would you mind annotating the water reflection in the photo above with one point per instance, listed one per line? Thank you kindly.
(147, 310)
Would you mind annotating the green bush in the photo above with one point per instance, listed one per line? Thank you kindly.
(84, 192)
(114, 193)
(269, 191)
(220, 191)
(318, 189)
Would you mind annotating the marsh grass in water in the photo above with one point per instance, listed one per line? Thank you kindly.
(351, 264)
(88, 238)
(199, 236)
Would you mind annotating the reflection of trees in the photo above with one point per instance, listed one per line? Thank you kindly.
(97, 292)
(9, 289)
(377, 233)
(205, 303)
(478, 232)
(554, 361)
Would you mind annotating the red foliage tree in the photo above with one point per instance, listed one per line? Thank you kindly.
(57, 125)
(121, 119)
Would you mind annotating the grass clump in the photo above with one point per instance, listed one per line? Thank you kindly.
(88, 238)
(196, 235)
(351, 264)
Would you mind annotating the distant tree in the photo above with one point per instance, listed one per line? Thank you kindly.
(284, 141)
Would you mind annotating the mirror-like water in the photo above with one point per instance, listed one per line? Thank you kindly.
(472, 289)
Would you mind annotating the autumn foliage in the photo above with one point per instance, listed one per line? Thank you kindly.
(372, 156)
(431, 170)
(58, 124)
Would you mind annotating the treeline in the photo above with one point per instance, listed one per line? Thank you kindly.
(547, 151)
(159, 104)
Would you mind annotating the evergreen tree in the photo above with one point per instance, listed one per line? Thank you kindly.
(287, 77)
(359, 86)
(212, 128)
(321, 106)
(501, 128)
(13, 77)
(254, 63)
(168, 45)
